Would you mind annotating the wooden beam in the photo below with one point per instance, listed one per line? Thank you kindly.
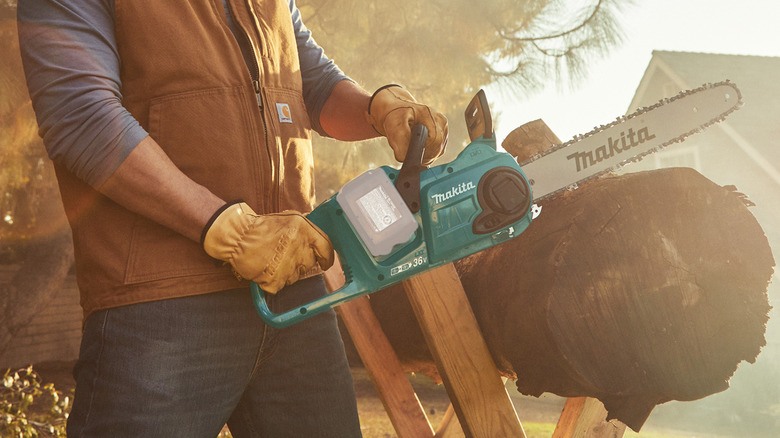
(470, 376)
(384, 369)
(449, 426)
(585, 417)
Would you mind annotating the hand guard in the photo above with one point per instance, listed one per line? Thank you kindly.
(273, 250)
(392, 111)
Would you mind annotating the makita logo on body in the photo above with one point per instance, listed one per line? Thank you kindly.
(612, 148)
(454, 191)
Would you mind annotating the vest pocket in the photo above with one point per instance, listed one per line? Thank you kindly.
(290, 128)
(158, 253)
(211, 136)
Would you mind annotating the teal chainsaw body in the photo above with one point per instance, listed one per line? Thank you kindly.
(436, 216)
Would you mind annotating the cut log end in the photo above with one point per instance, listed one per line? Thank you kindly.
(648, 287)
(529, 140)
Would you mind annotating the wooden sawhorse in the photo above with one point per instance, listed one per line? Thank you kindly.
(477, 393)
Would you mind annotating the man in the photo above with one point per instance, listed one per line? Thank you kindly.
(180, 137)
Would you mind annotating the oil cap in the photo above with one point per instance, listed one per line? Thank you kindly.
(504, 196)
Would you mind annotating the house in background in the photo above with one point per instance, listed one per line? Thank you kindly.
(744, 151)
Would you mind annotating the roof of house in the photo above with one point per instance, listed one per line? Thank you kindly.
(757, 122)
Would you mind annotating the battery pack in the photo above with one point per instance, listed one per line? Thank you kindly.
(377, 212)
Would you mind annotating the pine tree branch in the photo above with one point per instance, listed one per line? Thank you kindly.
(558, 35)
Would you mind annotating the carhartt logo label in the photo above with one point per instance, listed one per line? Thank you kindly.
(284, 113)
(454, 191)
(613, 147)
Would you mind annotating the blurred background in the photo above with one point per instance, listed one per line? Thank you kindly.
(576, 64)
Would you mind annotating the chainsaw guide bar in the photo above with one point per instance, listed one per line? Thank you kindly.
(629, 138)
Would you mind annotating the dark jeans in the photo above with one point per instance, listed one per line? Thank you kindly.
(184, 367)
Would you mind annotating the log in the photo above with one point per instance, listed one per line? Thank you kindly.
(635, 289)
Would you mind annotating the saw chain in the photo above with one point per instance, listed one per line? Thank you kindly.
(629, 138)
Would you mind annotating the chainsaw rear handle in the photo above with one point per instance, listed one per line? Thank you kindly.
(408, 185)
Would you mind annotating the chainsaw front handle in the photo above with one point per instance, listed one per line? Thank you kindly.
(408, 183)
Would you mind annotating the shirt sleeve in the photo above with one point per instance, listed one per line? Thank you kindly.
(319, 73)
(71, 64)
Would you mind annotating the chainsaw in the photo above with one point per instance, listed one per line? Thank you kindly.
(389, 224)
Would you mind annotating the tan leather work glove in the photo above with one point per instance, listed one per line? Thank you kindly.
(273, 250)
(392, 111)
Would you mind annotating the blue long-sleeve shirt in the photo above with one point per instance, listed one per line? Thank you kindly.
(72, 65)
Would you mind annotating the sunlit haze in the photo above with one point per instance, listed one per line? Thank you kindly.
(711, 26)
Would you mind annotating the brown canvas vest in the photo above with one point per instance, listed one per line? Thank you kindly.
(185, 80)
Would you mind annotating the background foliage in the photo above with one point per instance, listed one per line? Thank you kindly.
(29, 408)
(27, 182)
(445, 51)
(442, 51)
